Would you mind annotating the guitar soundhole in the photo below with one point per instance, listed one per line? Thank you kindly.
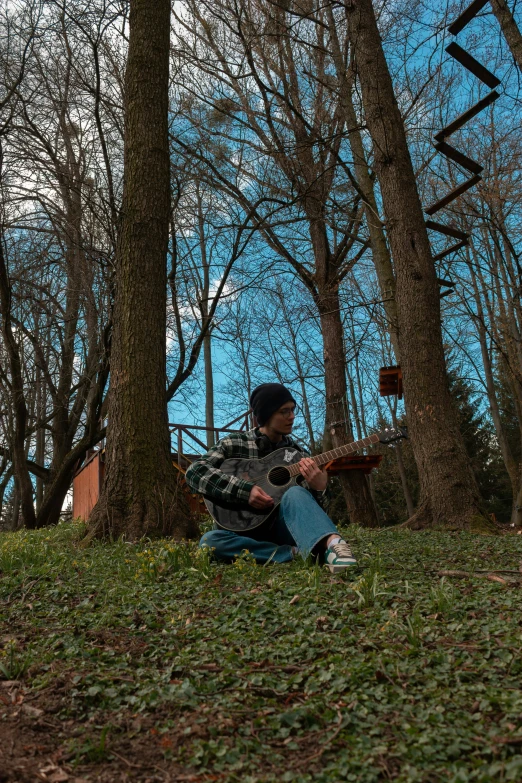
(279, 476)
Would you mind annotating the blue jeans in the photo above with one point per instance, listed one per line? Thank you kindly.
(301, 522)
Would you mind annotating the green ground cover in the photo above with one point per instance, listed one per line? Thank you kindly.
(150, 662)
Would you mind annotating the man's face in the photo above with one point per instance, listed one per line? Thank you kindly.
(283, 419)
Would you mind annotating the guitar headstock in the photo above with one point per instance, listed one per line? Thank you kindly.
(392, 435)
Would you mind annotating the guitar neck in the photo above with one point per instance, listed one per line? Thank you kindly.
(341, 451)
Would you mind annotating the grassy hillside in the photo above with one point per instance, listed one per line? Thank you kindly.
(150, 662)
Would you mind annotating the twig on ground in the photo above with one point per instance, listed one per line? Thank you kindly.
(125, 761)
(324, 745)
(491, 575)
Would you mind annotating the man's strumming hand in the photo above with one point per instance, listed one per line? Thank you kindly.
(259, 499)
(315, 477)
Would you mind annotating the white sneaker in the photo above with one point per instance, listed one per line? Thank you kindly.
(339, 556)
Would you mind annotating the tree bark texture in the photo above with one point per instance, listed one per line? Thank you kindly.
(140, 494)
(449, 494)
(509, 29)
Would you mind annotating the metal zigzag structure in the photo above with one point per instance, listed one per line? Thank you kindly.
(452, 153)
(390, 378)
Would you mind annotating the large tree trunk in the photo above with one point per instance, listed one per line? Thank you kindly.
(509, 28)
(140, 494)
(356, 490)
(449, 493)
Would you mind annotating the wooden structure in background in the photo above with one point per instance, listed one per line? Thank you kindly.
(390, 381)
(364, 462)
(183, 432)
(87, 484)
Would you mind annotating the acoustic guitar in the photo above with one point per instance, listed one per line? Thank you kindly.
(275, 474)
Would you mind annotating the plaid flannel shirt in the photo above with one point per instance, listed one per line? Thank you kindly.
(205, 477)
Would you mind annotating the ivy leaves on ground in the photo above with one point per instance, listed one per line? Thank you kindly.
(154, 654)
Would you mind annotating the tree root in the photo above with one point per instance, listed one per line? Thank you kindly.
(473, 522)
(163, 514)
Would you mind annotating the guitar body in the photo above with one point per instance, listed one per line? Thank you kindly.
(270, 473)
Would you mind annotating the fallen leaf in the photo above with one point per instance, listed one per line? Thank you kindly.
(58, 777)
(10, 684)
(34, 712)
(495, 578)
(294, 600)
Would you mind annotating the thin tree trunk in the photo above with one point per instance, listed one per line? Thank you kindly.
(513, 470)
(355, 409)
(14, 522)
(6, 477)
(410, 505)
(207, 340)
(23, 484)
(449, 495)
(356, 490)
(509, 28)
(40, 437)
(209, 389)
(380, 253)
(140, 494)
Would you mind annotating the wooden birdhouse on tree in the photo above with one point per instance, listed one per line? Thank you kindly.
(390, 381)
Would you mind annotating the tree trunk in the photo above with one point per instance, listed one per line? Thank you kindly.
(510, 463)
(140, 494)
(449, 494)
(380, 253)
(207, 340)
(509, 28)
(23, 484)
(6, 478)
(356, 491)
(39, 454)
(209, 389)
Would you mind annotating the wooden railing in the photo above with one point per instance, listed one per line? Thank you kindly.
(188, 445)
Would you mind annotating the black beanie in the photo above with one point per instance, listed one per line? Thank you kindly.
(267, 399)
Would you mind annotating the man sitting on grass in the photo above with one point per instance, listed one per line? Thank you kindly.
(299, 525)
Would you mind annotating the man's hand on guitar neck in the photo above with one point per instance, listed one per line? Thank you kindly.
(259, 499)
(315, 477)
